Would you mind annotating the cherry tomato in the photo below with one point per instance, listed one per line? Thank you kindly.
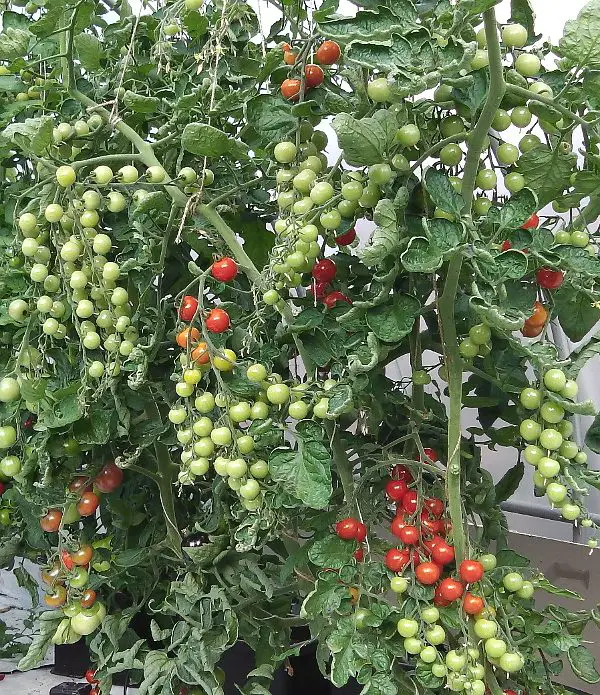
(188, 308)
(438, 598)
(409, 535)
(80, 484)
(398, 523)
(427, 573)
(532, 222)
(409, 502)
(109, 478)
(539, 315)
(347, 528)
(190, 335)
(396, 489)
(328, 53)
(396, 560)
(290, 89)
(324, 270)
(506, 245)
(2, 489)
(224, 269)
(217, 321)
(88, 599)
(334, 297)
(346, 238)
(90, 676)
(67, 560)
(472, 605)
(313, 76)
(88, 503)
(51, 521)
(359, 555)
(318, 289)
(470, 571)
(57, 598)
(442, 553)
(435, 506)
(549, 279)
(401, 472)
(83, 555)
(361, 532)
(289, 57)
(530, 331)
(451, 589)
(431, 454)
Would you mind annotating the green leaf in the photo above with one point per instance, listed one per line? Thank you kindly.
(331, 552)
(364, 141)
(340, 644)
(14, 43)
(510, 482)
(11, 83)
(139, 103)
(204, 140)
(474, 94)
(385, 237)
(271, 118)
(515, 212)
(497, 317)
(579, 42)
(97, 428)
(576, 407)
(579, 358)
(319, 348)
(445, 235)
(325, 599)
(305, 473)
(307, 319)
(546, 171)
(509, 265)
(581, 659)
(508, 558)
(442, 193)
(393, 321)
(421, 256)
(33, 135)
(89, 51)
(372, 25)
(47, 623)
(33, 390)
(578, 260)
(577, 312)
(65, 412)
(545, 585)
(592, 436)
(340, 399)
(426, 678)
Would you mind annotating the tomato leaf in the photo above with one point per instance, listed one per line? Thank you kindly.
(509, 483)
(89, 51)
(33, 135)
(205, 140)
(331, 552)
(508, 558)
(270, 117)
(385, 237)
(47, 623)
(583, 664)
(372, 24)
(421, 256)
(442, 193)
(522, 12)
(364, 141)
(392, 322)
(545, 585)
(515, 212)
(546, 171)
(577, 311)
(579, 42)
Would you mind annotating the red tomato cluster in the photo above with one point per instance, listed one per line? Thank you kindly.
(328, 53)
(323, 273)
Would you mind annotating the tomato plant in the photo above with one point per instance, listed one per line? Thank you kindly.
(218, 235)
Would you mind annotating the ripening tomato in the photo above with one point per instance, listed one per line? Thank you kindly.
(427, 573)
(532, 222)
(200, 354)
(88, 599)
(539, 315)
(396, 489)
(334, 297)
(472, 605)
(346, 238)
(190, 335)
(90, 676)
(51, 521)
(401, 472)
(88, 503)
(438, 599)
(57, 598)
(67, 560)
(506, 245)
(328, 53)
(409, 502)
(188, 308)
(313, 76)
(289, 57)
(109, 478)
(83, 555)
(451, 589)
(361, 532)
(470, 571)
(290, 89)
(217, 321)
(530, 331)
(79, 484)
(347, 528)
(224, 270)
(435, 506)
(398, 523)
(409, 535)
(396, 560)
(442, 553)
(324, 270)
(2, 489)
(431, 454)
(549, 279)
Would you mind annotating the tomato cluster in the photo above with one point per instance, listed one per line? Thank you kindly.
(327, 53)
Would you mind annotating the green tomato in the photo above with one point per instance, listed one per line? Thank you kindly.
(530, 430)
(65, 175)
(480, 59)
(331, 219)
(221, 436)
(256, 373)
(451, 155)
(239, 412)
(156, 174)
(556, 492)
(501, 120)
(321, 408)
(278, 394)
(245, 444)
(259, 411)
(568, 449)
(8, 436)
(581, 458)
(530, 398)
(84, 623)
(435, 635)
(259, 469)
(237, 468)
(484, 629)
(370, 196)
(398, 585)
(580, 239)
(533, 454)
(486, 179)
(555, 380)
(514, 35)
(481, 206)
(379, 90)
(542, 89)
(456, 661)
(514, 182)
(10, 466)
(303, 182)
(548, 468)
(488, 561)
(570, 511)
(407, 627)
(430, 615)
(528, 65)
(79, 578)
(298, 410)
(452, 125)
(552, 412)
(529, 142)
(9, 389)
(507, 154)
(408, 135)
(250, 490)
(351, 191)
(421, 378)
(400, 163)
(428, 655)
(285, 152)
(380, 174)
(468, 348)
(512, 582)
(520, 116)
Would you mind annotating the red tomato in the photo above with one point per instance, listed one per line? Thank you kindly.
(409, 535)
(361, 532)
(88, 503)
(290, 89)
(435, 506)
(88, 599)
(451, 589)
(438, 599)
(530, 331)
(67, 560)
(415, 557)
(549, 279)
(398, 523)
(324, 270)
(51, 521)
(109, 478)
(334, 297)
(431, 454)
(401, 472)
(2, 489)
(94, 691)
(428, 546)
(188, 308)
(470, 571)
(427, 573)
(318, 289)
(83, 555)
(347, 528)
(313, 76)
(532, 222)
(428, 525)
(409, 502)
(346, 238)
(217, 321)
(442, 553)
(79, 484)
(396, 489)
(359, 555)
(511, 692)
(539, 315)
(90, 676)
(328, 53)
(472, 605)
(396, 559)
(225, 269)
(506, 245)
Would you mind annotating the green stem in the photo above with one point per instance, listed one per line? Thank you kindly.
(105, 159)
(588, 215)
(233, 191)
(342, 464)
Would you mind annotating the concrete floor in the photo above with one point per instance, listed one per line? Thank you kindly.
(36, 682)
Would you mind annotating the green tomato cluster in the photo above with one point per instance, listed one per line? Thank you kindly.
(477, 342)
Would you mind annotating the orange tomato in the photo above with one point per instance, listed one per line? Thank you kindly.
(200, 354)
(539, 316)
(190, 335)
